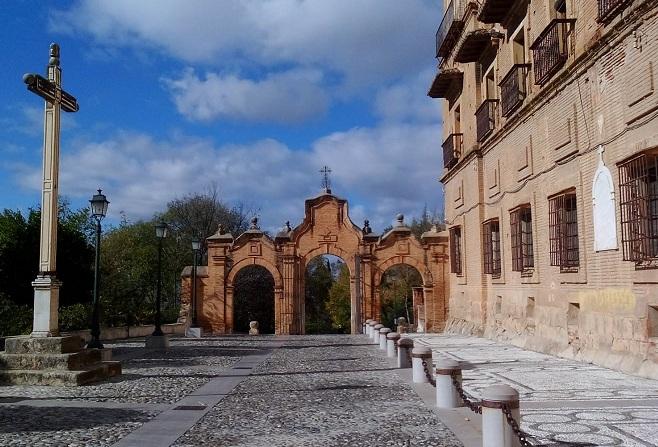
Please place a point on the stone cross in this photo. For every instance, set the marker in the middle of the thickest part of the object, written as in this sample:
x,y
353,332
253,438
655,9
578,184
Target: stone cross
x,y
326,184
46,286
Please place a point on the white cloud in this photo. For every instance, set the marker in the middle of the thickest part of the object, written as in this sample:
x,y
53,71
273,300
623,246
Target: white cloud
x,y
382,171
365,40
407,100
288,98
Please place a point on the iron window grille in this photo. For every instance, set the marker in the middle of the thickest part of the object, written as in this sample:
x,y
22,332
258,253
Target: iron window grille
x,y
639,208
609,8
513,89
455,250
563,230
452,148
485,117
551,49
521,231
491,248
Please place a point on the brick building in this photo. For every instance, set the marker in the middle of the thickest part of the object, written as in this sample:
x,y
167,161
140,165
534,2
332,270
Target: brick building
x,y
550,145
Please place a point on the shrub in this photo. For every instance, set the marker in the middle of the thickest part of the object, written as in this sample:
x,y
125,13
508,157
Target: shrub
x,y
75,317
14,319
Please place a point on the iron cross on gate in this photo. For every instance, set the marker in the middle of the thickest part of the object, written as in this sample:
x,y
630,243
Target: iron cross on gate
x,y
326,185
46,285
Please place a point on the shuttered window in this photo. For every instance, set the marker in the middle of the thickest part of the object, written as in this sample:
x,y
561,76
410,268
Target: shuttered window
x,y
455,250
491,248
563,230
521,232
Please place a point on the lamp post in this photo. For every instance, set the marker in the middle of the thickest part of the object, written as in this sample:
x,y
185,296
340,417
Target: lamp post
x,y
196,246
99,205
160,233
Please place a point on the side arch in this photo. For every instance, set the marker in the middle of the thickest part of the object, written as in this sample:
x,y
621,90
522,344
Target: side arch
x,y
278,290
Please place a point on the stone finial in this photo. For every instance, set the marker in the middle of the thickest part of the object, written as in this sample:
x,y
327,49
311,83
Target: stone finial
x,y
254,223
400,220
366,227
54,55
221,229
287,227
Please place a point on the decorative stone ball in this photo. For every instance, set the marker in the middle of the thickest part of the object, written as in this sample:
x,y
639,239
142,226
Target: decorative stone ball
x,y
253,328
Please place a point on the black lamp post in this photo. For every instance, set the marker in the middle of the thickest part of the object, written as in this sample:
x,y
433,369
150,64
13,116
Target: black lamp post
x,y
160,233
196,246
99,205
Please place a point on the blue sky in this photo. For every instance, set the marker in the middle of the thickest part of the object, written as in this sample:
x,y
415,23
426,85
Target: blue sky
x,y
253,96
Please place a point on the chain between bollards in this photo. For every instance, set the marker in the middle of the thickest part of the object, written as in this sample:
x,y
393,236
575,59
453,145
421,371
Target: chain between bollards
x,y
524,438
473,405
428,374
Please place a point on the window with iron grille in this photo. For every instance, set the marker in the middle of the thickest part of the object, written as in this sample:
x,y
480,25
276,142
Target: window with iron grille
x,y
521,231
563,230
491,248
639,208
455,250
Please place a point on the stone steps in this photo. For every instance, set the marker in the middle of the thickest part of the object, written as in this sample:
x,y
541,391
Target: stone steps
x,y
43,345
93,373
70,361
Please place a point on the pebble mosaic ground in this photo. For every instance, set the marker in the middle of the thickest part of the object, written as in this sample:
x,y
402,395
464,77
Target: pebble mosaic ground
x,y
320,390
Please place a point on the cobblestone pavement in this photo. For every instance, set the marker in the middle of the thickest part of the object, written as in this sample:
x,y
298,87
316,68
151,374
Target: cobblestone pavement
x,y
321,391
561,400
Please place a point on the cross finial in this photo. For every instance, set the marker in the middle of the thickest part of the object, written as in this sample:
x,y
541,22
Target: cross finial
x,y
326,184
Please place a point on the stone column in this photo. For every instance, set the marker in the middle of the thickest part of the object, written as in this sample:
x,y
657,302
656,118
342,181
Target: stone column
x,y
405,345
446,393
383,332
418,356
496,431
391,344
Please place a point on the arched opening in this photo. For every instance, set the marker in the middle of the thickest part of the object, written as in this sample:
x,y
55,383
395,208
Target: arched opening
x,y
327,299
396,292
253,299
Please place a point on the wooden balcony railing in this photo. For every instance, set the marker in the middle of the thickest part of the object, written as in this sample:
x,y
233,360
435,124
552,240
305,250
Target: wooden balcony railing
x,y
450,28
452,149
513,89
609,8
485,117
551,49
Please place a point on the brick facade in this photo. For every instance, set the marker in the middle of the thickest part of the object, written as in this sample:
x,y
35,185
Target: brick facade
x,y
326,229
598,88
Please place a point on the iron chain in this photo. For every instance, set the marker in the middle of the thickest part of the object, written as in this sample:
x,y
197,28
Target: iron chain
x,y
468,400
429,376
524,438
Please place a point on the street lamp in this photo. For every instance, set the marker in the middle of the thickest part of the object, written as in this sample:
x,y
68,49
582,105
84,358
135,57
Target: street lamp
x,y
99,205
160,233
196,246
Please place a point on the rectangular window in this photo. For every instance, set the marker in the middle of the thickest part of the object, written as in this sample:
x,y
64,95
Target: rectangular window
x,y
521,231
491,249
639,208
455,250
563,230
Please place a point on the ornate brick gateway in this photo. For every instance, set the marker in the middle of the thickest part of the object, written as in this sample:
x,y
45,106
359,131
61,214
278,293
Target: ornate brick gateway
x,y
326,229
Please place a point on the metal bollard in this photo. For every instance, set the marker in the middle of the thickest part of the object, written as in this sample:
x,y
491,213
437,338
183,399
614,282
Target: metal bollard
x,y
383,332
418,356
375,333
391,344
447,395
405,345
496,430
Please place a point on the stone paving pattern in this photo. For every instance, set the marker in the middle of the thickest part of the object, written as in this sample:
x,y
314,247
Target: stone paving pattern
x,y
561,400
329,391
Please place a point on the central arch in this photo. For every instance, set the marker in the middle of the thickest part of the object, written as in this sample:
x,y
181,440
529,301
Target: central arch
x,y
325,230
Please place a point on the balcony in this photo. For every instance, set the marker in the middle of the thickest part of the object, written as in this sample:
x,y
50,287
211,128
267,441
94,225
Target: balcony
x,y
513,89
485,117
447,83
609,8
474,44
494,11
450,28
551,49
452,149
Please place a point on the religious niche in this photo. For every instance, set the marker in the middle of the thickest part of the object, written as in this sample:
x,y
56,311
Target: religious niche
x,y
603,203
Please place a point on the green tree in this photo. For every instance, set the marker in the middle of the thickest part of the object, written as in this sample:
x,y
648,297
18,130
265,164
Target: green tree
x,y
396,293
339,302
318,281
